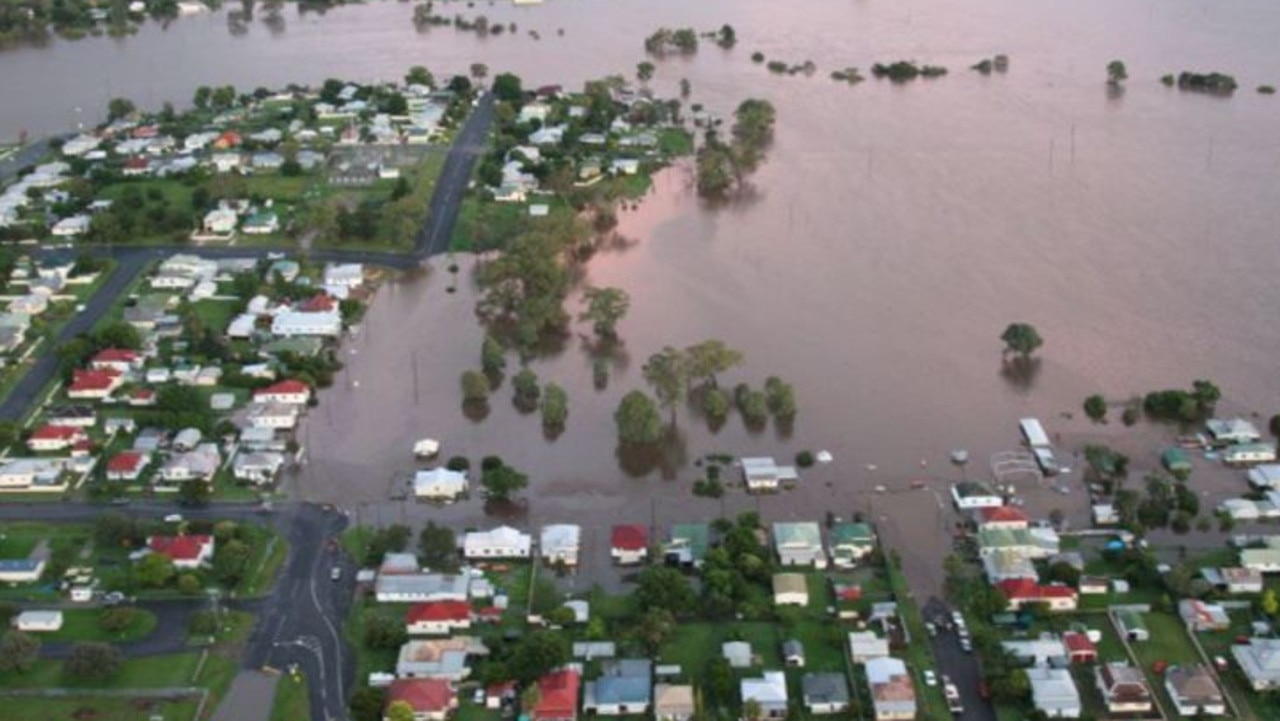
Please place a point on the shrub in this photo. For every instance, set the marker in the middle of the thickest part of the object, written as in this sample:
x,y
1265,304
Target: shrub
x,y
461,464
804,459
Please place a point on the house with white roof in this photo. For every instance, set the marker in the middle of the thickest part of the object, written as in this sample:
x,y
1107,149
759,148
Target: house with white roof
x,y
299,323
559,543
501,542
866,645
769,692
1232,430
439,484
347,275
1260,661
892,694
1053,692
38,621
71,227
764,474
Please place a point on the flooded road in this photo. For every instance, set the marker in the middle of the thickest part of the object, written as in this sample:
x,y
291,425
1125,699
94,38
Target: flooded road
x,y
892,234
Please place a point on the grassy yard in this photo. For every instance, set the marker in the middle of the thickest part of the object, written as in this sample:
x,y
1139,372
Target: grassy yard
x,y
214,314
148,672
918,655
98,708
292,702
267,559
367,659
1168,643
83,624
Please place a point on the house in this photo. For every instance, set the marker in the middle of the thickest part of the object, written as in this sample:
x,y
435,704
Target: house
x,y
196,465
344,275
70,227
1175,460
763,474
273,415
420,587
295,323
432,699
559,543
673,702
1124,688
55,438
799,544
127,466
1044,650
850,543
1032,544
629,544
865,646
769,692
594,649
438,658
1263,560
399,564
1260,661
221,221
1266,476
501,542
261,223
21,570
792,653
119,360
1192,689
187,439
1241,580
439,484
1232,431
688,545
1202,616
92,384
437,618
1022,591
1007,564
973,494
186,552
790,589
737,653
892,694
1079,648
257,467
558,696
1130,624
1247,453
77,416
825,693
625,686
1010,517
1053,692
497,695
38,621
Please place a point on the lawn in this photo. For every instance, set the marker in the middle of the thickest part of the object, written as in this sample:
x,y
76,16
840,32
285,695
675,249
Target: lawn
x,y
1169,643
99,708
82,624
355,541
267,559
918,654
147,672
367,659
292,702
214,314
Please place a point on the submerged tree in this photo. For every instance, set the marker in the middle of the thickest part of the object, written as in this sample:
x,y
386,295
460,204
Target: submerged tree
x,y
638,420
667,373
1021,338
605,307
1116,72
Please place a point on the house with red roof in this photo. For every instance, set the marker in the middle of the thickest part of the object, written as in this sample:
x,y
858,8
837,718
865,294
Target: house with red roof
x,y
93,384
430,698
120,360
146,131
127,466
290,392
142,397
1023,591
496,694
135,166
629,544
558,696
318,303
1010,517
184,551
1079,648
437,618
55,438
229,139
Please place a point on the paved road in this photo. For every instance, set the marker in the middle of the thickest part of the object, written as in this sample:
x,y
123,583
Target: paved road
x,y
454,177
962,668
27,155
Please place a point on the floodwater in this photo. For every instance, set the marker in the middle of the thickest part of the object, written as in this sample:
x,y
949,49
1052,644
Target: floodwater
x,y
892,234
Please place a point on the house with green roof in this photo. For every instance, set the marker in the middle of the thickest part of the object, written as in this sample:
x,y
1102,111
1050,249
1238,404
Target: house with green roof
x,y
1016,540
1175,460
688,545
850,543
799,544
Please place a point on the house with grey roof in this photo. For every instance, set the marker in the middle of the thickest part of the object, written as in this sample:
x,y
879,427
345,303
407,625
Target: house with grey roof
x,y
1260,661
892,694
769,691
737,653
793,653
1053,692
1193,690
420,587
625,686
825,693
439,658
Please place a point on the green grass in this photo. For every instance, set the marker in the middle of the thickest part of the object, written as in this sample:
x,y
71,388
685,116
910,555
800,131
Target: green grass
x,y
82,624
355,541
918,654
214,314
147,672
292,702
368,660
286,189
484,223
99,708
675,142
177,193
267,559
1168,643
468,711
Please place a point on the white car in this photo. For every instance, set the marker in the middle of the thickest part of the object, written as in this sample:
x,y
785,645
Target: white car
x,y
173,518
930,679
336,573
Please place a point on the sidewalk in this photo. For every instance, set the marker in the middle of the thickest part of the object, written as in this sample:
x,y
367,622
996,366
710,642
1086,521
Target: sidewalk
x,y
250,698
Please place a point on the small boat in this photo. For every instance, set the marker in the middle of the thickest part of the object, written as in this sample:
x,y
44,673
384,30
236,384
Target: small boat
x,y
960,456
426,448
823,457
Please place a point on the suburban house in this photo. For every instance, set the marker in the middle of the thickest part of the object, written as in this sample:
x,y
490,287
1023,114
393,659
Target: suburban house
x,y
197,465
501,542
629,544
404,564
559,543
673,702
688,546
892,694
1053,692
273,415
1124,688
420,587
1192,689
1080,649
825,693
1022,591
299,323
437,618
119,360
1232,431
1045,650
1260,661
127,466
1241,580
1265,476
432,699
1249,453
792,653
38,621
1202,616
1007,564
440,484
850,543
79,416
799,544
92,384
1130,624
1010,517
186,552
972,494
257,467
1263,560
624,687
346,275
1175,460
55,438
443,658
763,474
865,646
1019,540
21,570
558,696
790,589
769,691
291,392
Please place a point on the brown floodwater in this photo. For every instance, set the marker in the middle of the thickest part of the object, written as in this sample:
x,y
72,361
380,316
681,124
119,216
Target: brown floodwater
x,y
892,234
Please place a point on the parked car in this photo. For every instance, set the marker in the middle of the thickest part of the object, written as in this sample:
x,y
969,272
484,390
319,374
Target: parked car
x,y
930,679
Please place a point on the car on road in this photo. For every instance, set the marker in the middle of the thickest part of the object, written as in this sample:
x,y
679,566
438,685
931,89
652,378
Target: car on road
x,y
957,618
966,645
336,573
114,598
120,501
478,697
932,629
173,518
930,678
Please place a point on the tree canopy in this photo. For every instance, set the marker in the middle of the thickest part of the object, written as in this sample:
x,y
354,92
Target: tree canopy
x,y
638,420
1021,338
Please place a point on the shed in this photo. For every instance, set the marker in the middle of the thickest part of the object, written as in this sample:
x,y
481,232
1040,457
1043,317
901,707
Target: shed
x,y
1176,460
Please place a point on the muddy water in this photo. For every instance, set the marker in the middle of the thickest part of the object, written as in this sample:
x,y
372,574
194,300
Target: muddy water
x,y
892,234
